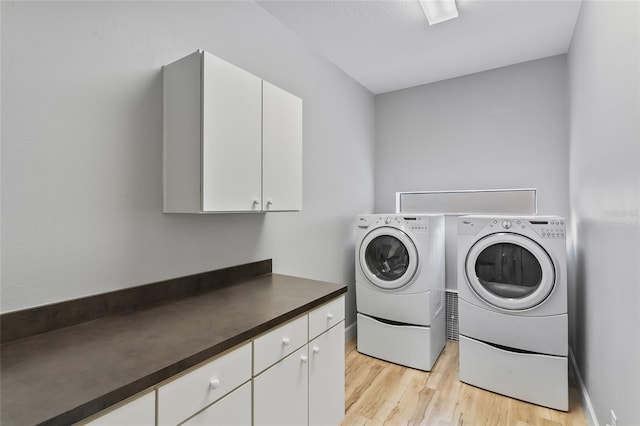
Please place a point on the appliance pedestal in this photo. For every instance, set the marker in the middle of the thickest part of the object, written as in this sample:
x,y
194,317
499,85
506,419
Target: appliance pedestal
x,y
409,345
537,378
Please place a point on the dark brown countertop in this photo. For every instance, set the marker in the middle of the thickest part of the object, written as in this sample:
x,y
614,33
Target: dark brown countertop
x,y
65,375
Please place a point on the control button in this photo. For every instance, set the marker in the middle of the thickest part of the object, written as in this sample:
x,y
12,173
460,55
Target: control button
x,y
387,220
506,224
495,221
518,222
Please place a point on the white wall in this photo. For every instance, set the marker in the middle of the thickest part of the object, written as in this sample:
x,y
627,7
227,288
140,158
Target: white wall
x,y
604,70
504,128
82,150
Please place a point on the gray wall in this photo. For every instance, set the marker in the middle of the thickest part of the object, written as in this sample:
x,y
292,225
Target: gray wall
x,y
603,64
504,128
82,150
494,129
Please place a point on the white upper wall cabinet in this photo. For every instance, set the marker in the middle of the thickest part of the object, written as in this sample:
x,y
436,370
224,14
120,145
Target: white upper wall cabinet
x,y
232,142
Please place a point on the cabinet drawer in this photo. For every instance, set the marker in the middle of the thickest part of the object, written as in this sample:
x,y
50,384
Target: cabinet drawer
x,y
325,317
275,345
185,396
232,410
140,411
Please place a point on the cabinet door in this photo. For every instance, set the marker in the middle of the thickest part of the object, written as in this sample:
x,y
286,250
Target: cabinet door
x,y
232,410
326,377
231,137
280,392
282,149
139,412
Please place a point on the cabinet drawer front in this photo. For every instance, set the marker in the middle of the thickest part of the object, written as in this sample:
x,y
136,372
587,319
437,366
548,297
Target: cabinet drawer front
x,y
185,396
325,317
275,345
139,412
232,410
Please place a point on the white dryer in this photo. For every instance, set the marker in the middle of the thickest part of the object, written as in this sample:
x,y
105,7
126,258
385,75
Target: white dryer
x,y
512,306
400,288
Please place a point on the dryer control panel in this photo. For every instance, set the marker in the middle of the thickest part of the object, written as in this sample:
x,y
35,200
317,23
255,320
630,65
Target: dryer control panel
x,y
545,227
549,228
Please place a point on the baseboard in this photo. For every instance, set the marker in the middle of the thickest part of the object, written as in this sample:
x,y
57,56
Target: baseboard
x,y
350,332
590,413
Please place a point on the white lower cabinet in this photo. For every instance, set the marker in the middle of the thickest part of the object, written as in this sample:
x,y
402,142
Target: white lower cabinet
x,y
307,386
290,375
326,377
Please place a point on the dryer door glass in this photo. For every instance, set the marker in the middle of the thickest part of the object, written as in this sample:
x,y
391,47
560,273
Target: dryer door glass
x,y
387,258
508,270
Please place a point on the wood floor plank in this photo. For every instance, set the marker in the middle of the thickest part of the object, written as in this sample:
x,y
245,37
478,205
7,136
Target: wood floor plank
x,y
381,393
413,402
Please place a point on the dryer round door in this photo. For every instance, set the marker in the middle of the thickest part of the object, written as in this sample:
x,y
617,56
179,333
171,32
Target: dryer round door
x,y
510,271
388,258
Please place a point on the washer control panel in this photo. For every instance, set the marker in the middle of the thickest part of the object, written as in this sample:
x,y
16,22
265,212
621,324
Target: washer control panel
x,y
415,223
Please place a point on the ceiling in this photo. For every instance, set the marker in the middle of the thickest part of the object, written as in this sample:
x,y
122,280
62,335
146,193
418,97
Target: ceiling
x,y
387,45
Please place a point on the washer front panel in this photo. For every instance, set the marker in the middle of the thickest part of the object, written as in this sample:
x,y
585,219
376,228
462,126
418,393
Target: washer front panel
x,y
510,271
388,258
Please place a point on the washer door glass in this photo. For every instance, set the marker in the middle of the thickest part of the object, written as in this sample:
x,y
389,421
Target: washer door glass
x,y
388,258
510,271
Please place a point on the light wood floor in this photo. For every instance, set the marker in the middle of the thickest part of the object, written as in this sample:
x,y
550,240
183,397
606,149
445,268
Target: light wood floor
x,y
382,393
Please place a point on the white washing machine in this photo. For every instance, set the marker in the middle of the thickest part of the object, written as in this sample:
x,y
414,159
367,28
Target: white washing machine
x,y
512,306
400,288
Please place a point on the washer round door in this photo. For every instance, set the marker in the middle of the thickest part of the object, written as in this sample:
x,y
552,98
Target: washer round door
x,y
510,271
388,258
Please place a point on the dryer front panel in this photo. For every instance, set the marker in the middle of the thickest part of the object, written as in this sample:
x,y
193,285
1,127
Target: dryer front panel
x,y
510,271
388,258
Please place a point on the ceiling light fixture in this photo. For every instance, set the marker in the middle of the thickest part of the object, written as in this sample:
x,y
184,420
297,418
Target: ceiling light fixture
x,y
439,10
